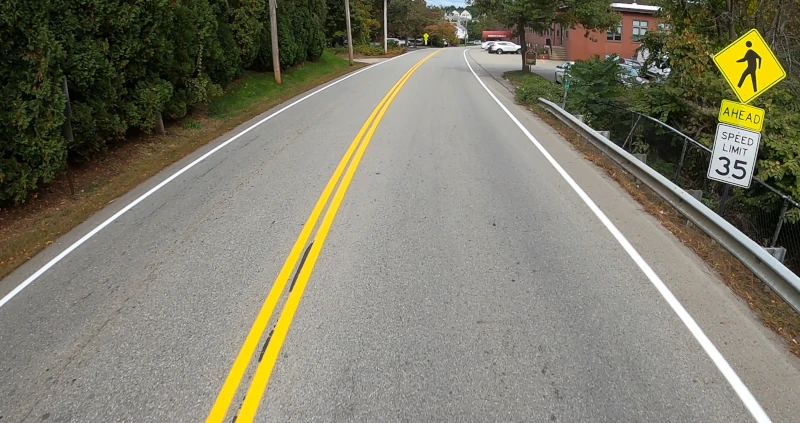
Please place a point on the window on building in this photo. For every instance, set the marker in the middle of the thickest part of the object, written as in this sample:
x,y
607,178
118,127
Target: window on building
x,y
615,35
566,33
639,29
663,27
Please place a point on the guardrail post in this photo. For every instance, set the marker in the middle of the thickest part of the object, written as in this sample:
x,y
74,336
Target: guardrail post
x,y
780,223
698,195
779,253
680,162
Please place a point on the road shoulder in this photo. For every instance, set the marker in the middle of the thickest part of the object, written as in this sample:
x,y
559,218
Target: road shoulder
x,y
758,355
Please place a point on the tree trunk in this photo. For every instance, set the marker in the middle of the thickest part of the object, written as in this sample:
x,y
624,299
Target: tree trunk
x,y
731,22
522,43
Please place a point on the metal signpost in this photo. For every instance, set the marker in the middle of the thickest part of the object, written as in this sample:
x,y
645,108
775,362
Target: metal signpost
x,y
750,68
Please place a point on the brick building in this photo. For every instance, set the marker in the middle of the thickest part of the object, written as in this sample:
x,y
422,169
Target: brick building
x,y
573,44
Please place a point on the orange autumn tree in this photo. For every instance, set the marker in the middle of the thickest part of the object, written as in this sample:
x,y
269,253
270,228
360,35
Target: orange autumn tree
x,y
443,31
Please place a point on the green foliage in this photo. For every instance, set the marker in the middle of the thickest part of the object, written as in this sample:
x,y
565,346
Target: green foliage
x,y
408,18
31,103
253,87
127,63
531,87
247,22
690,98
363,20
596,85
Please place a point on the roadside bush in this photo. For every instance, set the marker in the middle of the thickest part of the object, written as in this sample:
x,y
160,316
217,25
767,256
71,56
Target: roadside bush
x,y
31,104
436,41
533,86
127,63
597,92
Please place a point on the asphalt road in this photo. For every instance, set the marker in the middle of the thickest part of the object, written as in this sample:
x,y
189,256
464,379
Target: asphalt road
x,y
497,64
463,279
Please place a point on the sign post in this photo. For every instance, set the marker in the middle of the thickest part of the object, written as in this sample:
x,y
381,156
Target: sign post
x,y
425,38
750,68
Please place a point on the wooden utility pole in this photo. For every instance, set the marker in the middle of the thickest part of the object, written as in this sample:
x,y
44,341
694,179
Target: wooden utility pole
x,y
273,23
349,31
385,29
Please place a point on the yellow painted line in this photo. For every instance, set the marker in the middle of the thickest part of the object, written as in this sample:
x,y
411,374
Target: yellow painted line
x,y
220,408
259,384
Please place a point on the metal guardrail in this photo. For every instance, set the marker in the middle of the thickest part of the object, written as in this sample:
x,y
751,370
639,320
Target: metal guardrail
x,y
766,267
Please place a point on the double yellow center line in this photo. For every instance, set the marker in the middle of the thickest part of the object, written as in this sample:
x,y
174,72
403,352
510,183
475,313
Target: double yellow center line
x,y
258,385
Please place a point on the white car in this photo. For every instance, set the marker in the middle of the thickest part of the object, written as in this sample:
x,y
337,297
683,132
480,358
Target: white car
x,y
561,71
630,75
501,47
399,42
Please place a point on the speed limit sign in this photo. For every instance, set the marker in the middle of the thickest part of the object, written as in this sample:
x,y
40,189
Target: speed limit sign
x,y
733,158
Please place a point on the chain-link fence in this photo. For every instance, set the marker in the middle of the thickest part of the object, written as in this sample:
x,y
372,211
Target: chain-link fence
x,y
763,213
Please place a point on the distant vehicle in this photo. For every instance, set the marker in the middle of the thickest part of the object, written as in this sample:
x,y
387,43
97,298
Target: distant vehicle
x,y
634,64
630,75
476,42
561,71
487,44
399,42
501,47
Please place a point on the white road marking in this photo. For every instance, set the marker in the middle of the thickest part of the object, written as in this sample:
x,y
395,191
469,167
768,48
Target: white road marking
x,y
727,371
133,204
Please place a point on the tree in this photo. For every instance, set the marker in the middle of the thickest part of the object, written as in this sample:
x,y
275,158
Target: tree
x,y
363,19
408,18
444,31
539,15
689,100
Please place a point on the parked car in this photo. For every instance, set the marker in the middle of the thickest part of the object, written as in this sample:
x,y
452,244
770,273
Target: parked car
x,y
561,71
487,44
630,75
399,42
501,47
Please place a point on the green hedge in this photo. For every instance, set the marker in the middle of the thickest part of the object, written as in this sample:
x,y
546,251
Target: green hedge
x,y
126,63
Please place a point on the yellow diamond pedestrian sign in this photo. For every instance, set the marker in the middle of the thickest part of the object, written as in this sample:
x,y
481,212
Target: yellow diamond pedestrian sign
x,y
749,66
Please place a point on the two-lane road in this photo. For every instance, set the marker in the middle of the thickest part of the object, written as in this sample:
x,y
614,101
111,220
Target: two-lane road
x,y
447,272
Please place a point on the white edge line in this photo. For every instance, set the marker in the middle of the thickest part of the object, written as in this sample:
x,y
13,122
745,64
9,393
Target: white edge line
x,y
727,371
172,177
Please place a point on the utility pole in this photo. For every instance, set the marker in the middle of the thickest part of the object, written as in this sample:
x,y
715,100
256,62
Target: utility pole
x,y
349,31
273,23
385,30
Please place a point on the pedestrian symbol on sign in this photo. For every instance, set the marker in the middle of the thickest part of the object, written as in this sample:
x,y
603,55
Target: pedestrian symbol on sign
x,y
749,66
751,57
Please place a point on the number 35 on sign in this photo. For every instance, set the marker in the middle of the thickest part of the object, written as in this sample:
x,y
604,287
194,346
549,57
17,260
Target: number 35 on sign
x,y
733,157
